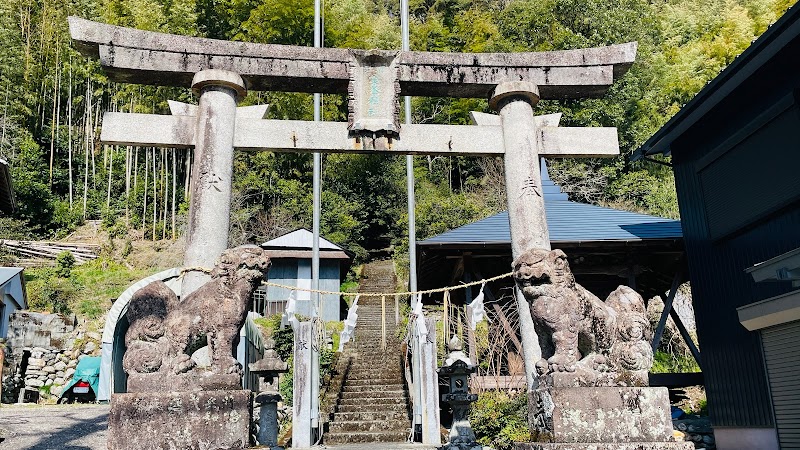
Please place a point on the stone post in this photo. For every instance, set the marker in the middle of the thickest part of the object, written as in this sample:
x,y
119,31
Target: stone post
x,y
302,403
514,101
430,387
210,204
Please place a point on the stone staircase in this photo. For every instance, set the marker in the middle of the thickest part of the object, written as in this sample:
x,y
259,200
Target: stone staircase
x,y
372,404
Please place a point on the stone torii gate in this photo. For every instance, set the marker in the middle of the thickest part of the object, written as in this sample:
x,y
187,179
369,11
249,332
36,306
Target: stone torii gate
x,y
220,72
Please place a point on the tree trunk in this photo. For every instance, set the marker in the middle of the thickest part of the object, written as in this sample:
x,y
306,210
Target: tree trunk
x,y
165,187
144,208
110,172
127,185
155,195
188,177
54,119
174,187
5,122
87,136
69,137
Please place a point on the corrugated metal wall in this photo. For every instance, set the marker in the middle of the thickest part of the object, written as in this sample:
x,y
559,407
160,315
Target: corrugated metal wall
x,y
732,356
781,345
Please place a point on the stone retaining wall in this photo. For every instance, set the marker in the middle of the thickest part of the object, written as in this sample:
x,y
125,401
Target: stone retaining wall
x,y
42,353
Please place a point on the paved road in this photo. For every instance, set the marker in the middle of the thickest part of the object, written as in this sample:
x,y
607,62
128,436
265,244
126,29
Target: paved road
x,y
61,427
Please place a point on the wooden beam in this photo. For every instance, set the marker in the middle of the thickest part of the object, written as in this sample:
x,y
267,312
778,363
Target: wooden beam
x,y
662,322
686,336
507,327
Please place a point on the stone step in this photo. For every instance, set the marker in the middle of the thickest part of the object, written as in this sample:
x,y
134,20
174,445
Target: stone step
x,y
359,438
373,394
373,375
375,415
374,401
381,365
372,379
370,382
377,387
371,426
391,408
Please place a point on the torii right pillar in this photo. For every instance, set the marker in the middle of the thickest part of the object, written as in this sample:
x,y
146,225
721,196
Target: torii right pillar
x,y
566,415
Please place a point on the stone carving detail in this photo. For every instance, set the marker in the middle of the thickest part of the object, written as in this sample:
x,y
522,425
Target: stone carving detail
x,y
164,331
589,341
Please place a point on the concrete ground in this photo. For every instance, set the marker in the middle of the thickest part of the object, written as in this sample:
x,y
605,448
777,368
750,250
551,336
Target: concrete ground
x,y
83,427
56,427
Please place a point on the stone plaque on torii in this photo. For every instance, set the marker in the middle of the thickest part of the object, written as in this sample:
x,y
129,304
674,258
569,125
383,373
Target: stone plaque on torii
x,y
221,71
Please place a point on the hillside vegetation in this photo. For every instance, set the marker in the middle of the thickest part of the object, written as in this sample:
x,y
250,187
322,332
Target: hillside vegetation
x,y
52,101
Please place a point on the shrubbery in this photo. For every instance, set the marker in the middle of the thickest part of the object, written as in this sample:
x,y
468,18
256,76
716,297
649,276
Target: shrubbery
x,y
499,419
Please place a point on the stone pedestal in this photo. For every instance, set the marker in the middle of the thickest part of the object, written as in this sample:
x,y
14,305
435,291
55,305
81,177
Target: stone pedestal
x,y
600,418
268,420
202,420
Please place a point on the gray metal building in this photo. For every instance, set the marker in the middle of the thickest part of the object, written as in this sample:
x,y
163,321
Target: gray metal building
x,y
736,151
13,296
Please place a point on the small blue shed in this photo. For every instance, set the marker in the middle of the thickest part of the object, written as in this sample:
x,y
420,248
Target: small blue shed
x,y
291,266
12,295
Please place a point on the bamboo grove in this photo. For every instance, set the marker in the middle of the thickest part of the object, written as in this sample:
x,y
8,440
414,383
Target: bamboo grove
x,y
53,102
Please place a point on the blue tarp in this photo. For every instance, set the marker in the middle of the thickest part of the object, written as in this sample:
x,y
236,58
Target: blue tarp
x,y
88,369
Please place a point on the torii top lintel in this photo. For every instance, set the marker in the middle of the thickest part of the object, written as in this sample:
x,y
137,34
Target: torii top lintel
x,y
145,57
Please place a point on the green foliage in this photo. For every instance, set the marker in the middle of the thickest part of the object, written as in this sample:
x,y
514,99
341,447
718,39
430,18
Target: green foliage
x,y
682,45
664,362
87,289
499,419
65,261
49,292
284,339
11,228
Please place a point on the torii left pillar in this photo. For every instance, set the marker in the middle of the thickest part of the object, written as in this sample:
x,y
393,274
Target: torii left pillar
x,y
210,206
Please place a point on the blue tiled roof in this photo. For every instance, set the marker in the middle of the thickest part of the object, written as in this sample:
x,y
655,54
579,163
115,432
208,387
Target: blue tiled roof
x,y
568,222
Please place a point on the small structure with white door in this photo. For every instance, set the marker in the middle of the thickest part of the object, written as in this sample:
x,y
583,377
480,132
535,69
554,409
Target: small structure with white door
x,y
291,266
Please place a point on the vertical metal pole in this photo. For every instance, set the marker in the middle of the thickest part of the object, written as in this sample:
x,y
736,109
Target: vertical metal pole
x,y
317,194
317,200
412,241
412,227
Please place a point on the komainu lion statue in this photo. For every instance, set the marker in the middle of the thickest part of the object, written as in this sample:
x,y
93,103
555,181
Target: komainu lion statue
x,y
577,331
164,330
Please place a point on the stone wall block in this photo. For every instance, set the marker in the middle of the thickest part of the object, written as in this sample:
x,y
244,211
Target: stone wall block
x,y
36,362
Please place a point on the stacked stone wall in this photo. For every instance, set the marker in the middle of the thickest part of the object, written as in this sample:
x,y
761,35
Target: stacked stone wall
x,y
42,353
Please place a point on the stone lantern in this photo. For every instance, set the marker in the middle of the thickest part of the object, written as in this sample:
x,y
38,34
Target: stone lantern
x,y
457,369
268,368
